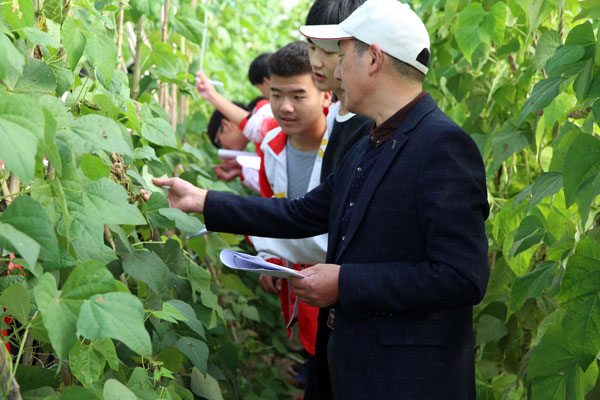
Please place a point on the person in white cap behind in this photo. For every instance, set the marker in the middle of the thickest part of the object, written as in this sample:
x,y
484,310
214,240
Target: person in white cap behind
x,y
405,214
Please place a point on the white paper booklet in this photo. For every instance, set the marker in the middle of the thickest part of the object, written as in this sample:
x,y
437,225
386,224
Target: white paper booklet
x,y
226,154
246,262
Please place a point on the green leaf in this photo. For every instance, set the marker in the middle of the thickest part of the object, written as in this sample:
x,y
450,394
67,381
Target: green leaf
x,y
28,216
59,316
139,383
106,202
21,129
495,22
52,9
35,36
88,279
160,132
531,285
95,132
86,364
547,184
77,393
507,143
146,266
101,51
205,386
196,350
73,40
584,81
93,167
184,222
172,358
37,77
581,34
531,231
565,55
13,61
190,28
16,301
188,312
580,293
19,13
106,347
489,329
32,377
115,390
546,46
119,316
87,238
581,167
541,96
18,242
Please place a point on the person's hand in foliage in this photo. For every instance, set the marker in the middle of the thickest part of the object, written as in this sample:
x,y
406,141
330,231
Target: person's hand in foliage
x,y
182,194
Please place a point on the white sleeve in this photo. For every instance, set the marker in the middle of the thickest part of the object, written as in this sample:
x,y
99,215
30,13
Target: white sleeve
x,y
251,178
257,123
310,250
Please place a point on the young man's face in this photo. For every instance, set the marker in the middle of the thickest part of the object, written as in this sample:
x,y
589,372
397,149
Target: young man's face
x,y
323,65
350,72
230,136
297,103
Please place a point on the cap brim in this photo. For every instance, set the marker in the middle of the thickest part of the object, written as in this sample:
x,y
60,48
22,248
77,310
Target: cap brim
x,y
326,37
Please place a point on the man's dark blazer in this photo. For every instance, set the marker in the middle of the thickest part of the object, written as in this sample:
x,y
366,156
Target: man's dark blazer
x,y
413,260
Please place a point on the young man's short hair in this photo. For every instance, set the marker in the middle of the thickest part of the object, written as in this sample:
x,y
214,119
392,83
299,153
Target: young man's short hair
x,y
290,60
259,69
214,123
404,69
331,12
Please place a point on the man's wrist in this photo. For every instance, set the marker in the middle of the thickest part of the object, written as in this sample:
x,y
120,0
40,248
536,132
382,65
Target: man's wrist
x,y
200,199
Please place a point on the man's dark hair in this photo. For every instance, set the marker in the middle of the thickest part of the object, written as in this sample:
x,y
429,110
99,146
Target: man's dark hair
x,y
404,69
214,123
290,60
330,12
259,69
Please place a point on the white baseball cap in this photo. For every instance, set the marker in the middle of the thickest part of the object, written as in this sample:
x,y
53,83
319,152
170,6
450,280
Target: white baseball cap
x,y
391,25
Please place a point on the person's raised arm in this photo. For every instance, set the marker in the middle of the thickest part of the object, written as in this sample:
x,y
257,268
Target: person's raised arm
x,y
207,91
183,195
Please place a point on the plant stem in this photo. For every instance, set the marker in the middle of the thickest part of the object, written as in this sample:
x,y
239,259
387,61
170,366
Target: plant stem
x,y
137,59
121,64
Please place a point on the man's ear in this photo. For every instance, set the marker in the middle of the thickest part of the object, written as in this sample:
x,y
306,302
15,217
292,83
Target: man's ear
x,y
376,57
266,81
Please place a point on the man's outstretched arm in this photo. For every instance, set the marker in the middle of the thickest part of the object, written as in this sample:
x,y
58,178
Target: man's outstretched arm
x,y
182,194
207,91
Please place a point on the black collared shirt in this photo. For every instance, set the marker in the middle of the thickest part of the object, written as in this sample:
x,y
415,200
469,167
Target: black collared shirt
x,y
379,134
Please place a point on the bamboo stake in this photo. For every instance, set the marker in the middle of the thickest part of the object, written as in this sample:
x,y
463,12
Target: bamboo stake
x,y
136,63
121,64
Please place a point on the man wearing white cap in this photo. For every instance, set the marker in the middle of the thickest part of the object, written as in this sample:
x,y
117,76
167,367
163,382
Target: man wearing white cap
x,y
405,212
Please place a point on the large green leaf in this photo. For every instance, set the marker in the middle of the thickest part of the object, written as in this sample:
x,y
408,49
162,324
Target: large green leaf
x,y
190,315
36,36
87,238
541,96
115,390
18,13
16,301
546,46
196,350
190,28
118,316
580,294
37,77
147,267
73,40
581,167
547,184
106,202
88,279
86,364
58,315
531,285
160,132
489,329
101,51
78,393
139,383
28,216
18,242
470,33
531,231
205,386
92,133
184,222
564,56
507,143
13,61
21,129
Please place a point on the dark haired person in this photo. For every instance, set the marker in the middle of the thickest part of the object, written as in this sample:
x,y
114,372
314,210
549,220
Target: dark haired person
x,y
291,166
256,123
348,127
405,212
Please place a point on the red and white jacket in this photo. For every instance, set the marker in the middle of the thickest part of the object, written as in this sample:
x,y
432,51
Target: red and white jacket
x,y
259,122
